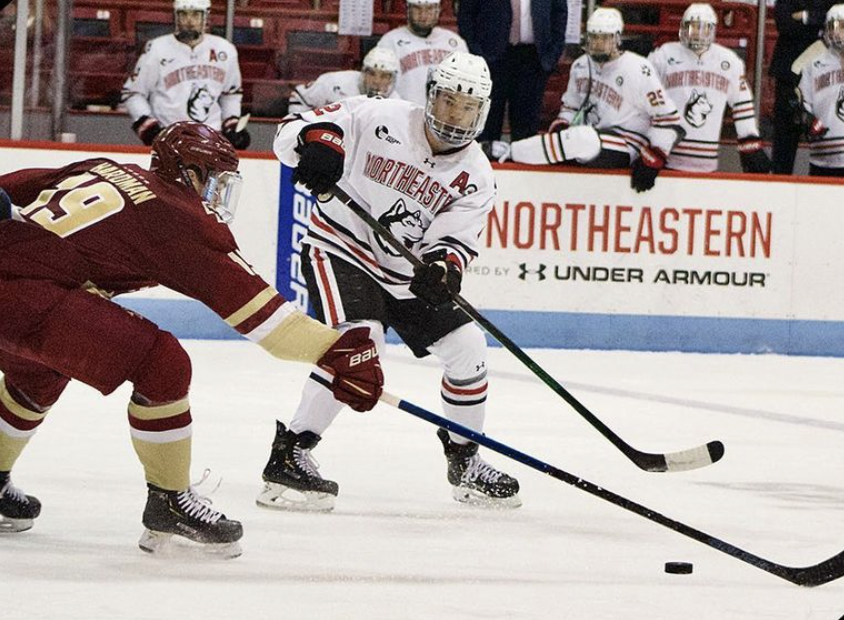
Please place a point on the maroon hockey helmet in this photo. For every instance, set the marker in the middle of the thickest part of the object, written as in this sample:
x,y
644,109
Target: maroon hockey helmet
x,y
191,146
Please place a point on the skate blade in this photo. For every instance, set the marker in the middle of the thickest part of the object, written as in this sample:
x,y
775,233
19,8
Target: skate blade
x,y
13,526
465,495
164,545
280,497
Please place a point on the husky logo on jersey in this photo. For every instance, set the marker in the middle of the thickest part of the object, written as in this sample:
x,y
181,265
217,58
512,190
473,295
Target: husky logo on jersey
x,y
199,103
839,104
697,109
405,225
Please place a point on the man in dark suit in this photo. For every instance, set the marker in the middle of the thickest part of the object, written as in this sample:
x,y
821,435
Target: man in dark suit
x,y
798,23
521,40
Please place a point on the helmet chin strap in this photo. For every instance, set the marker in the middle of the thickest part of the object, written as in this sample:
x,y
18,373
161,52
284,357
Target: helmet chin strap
x,y
188,36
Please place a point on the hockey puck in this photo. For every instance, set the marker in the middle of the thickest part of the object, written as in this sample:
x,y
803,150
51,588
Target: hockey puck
x,y
679,568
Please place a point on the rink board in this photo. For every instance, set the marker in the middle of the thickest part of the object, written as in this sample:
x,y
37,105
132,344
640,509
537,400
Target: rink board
x,y
575,259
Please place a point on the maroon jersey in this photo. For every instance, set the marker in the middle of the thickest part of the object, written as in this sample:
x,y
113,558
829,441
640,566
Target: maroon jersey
x,y
129,229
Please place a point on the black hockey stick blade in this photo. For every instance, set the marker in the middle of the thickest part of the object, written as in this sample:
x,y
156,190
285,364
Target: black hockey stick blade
x,y
809,576
684,460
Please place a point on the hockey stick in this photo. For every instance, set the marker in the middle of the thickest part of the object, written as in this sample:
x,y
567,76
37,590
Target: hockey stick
x,y
582,113
808,576
683,460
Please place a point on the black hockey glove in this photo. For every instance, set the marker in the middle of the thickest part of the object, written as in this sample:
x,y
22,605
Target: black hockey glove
x,y
438,279
147,128
646,168
5,205
812,129
239,139
321,157
753,156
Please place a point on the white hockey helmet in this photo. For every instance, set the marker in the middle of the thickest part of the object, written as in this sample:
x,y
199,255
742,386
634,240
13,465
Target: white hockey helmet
x,y
833,32
379,72
603,34
697,28
184,34
458,99
422,16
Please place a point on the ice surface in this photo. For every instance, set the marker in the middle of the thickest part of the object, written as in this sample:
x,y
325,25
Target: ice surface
x,y
398,547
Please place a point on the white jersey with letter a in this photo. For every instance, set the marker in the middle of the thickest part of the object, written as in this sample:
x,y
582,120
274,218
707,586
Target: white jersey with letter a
x,y
328,88
627,98
418,56
702,87
172,82
429,202
822,87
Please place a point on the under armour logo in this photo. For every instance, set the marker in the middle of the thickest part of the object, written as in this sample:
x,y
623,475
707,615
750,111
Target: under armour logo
x,y
540,272
430,163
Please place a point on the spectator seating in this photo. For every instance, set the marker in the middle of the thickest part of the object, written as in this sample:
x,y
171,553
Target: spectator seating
x,y
282,42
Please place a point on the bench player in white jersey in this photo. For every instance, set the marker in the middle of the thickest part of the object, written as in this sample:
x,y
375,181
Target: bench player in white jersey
x,y
822,93
420,46
420,173
376,78
703,78
632,122
189,75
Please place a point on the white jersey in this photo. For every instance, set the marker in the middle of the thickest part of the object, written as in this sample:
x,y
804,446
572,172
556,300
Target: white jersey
x,y
428,201
418,56
172,82
703,86
328,88
624,97
822,87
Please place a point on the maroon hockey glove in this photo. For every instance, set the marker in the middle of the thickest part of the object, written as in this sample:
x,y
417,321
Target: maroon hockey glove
x,y
239,139
147,128
358,380
438,280
753,157
646,168
321,157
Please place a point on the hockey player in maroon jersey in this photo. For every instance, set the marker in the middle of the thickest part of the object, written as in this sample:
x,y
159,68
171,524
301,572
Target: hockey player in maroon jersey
x,y
79,235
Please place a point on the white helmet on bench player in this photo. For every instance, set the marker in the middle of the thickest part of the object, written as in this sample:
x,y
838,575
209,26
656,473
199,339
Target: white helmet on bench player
x,y
833,32
603,34
422,16
379,72
697,28
458,99
187,32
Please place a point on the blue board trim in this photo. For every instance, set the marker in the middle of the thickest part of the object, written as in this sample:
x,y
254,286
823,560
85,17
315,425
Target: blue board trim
x,y
566,330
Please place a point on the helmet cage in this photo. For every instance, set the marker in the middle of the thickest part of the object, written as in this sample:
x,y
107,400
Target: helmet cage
x,y
599,53
697,34
833,33
448,133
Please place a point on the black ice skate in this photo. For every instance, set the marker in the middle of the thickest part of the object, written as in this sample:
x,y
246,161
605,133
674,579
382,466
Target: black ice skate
x,y
17,510
187,515
473,480
291,479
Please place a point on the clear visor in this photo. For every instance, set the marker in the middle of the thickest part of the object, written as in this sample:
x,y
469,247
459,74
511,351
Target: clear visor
x,y
602,46
377,82
834,34
455,118
697,35
222,193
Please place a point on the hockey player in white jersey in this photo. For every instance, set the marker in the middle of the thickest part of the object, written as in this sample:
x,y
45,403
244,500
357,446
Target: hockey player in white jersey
x,y
189,75
377,78
420,173
703,78
633,121
420,46
822,93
